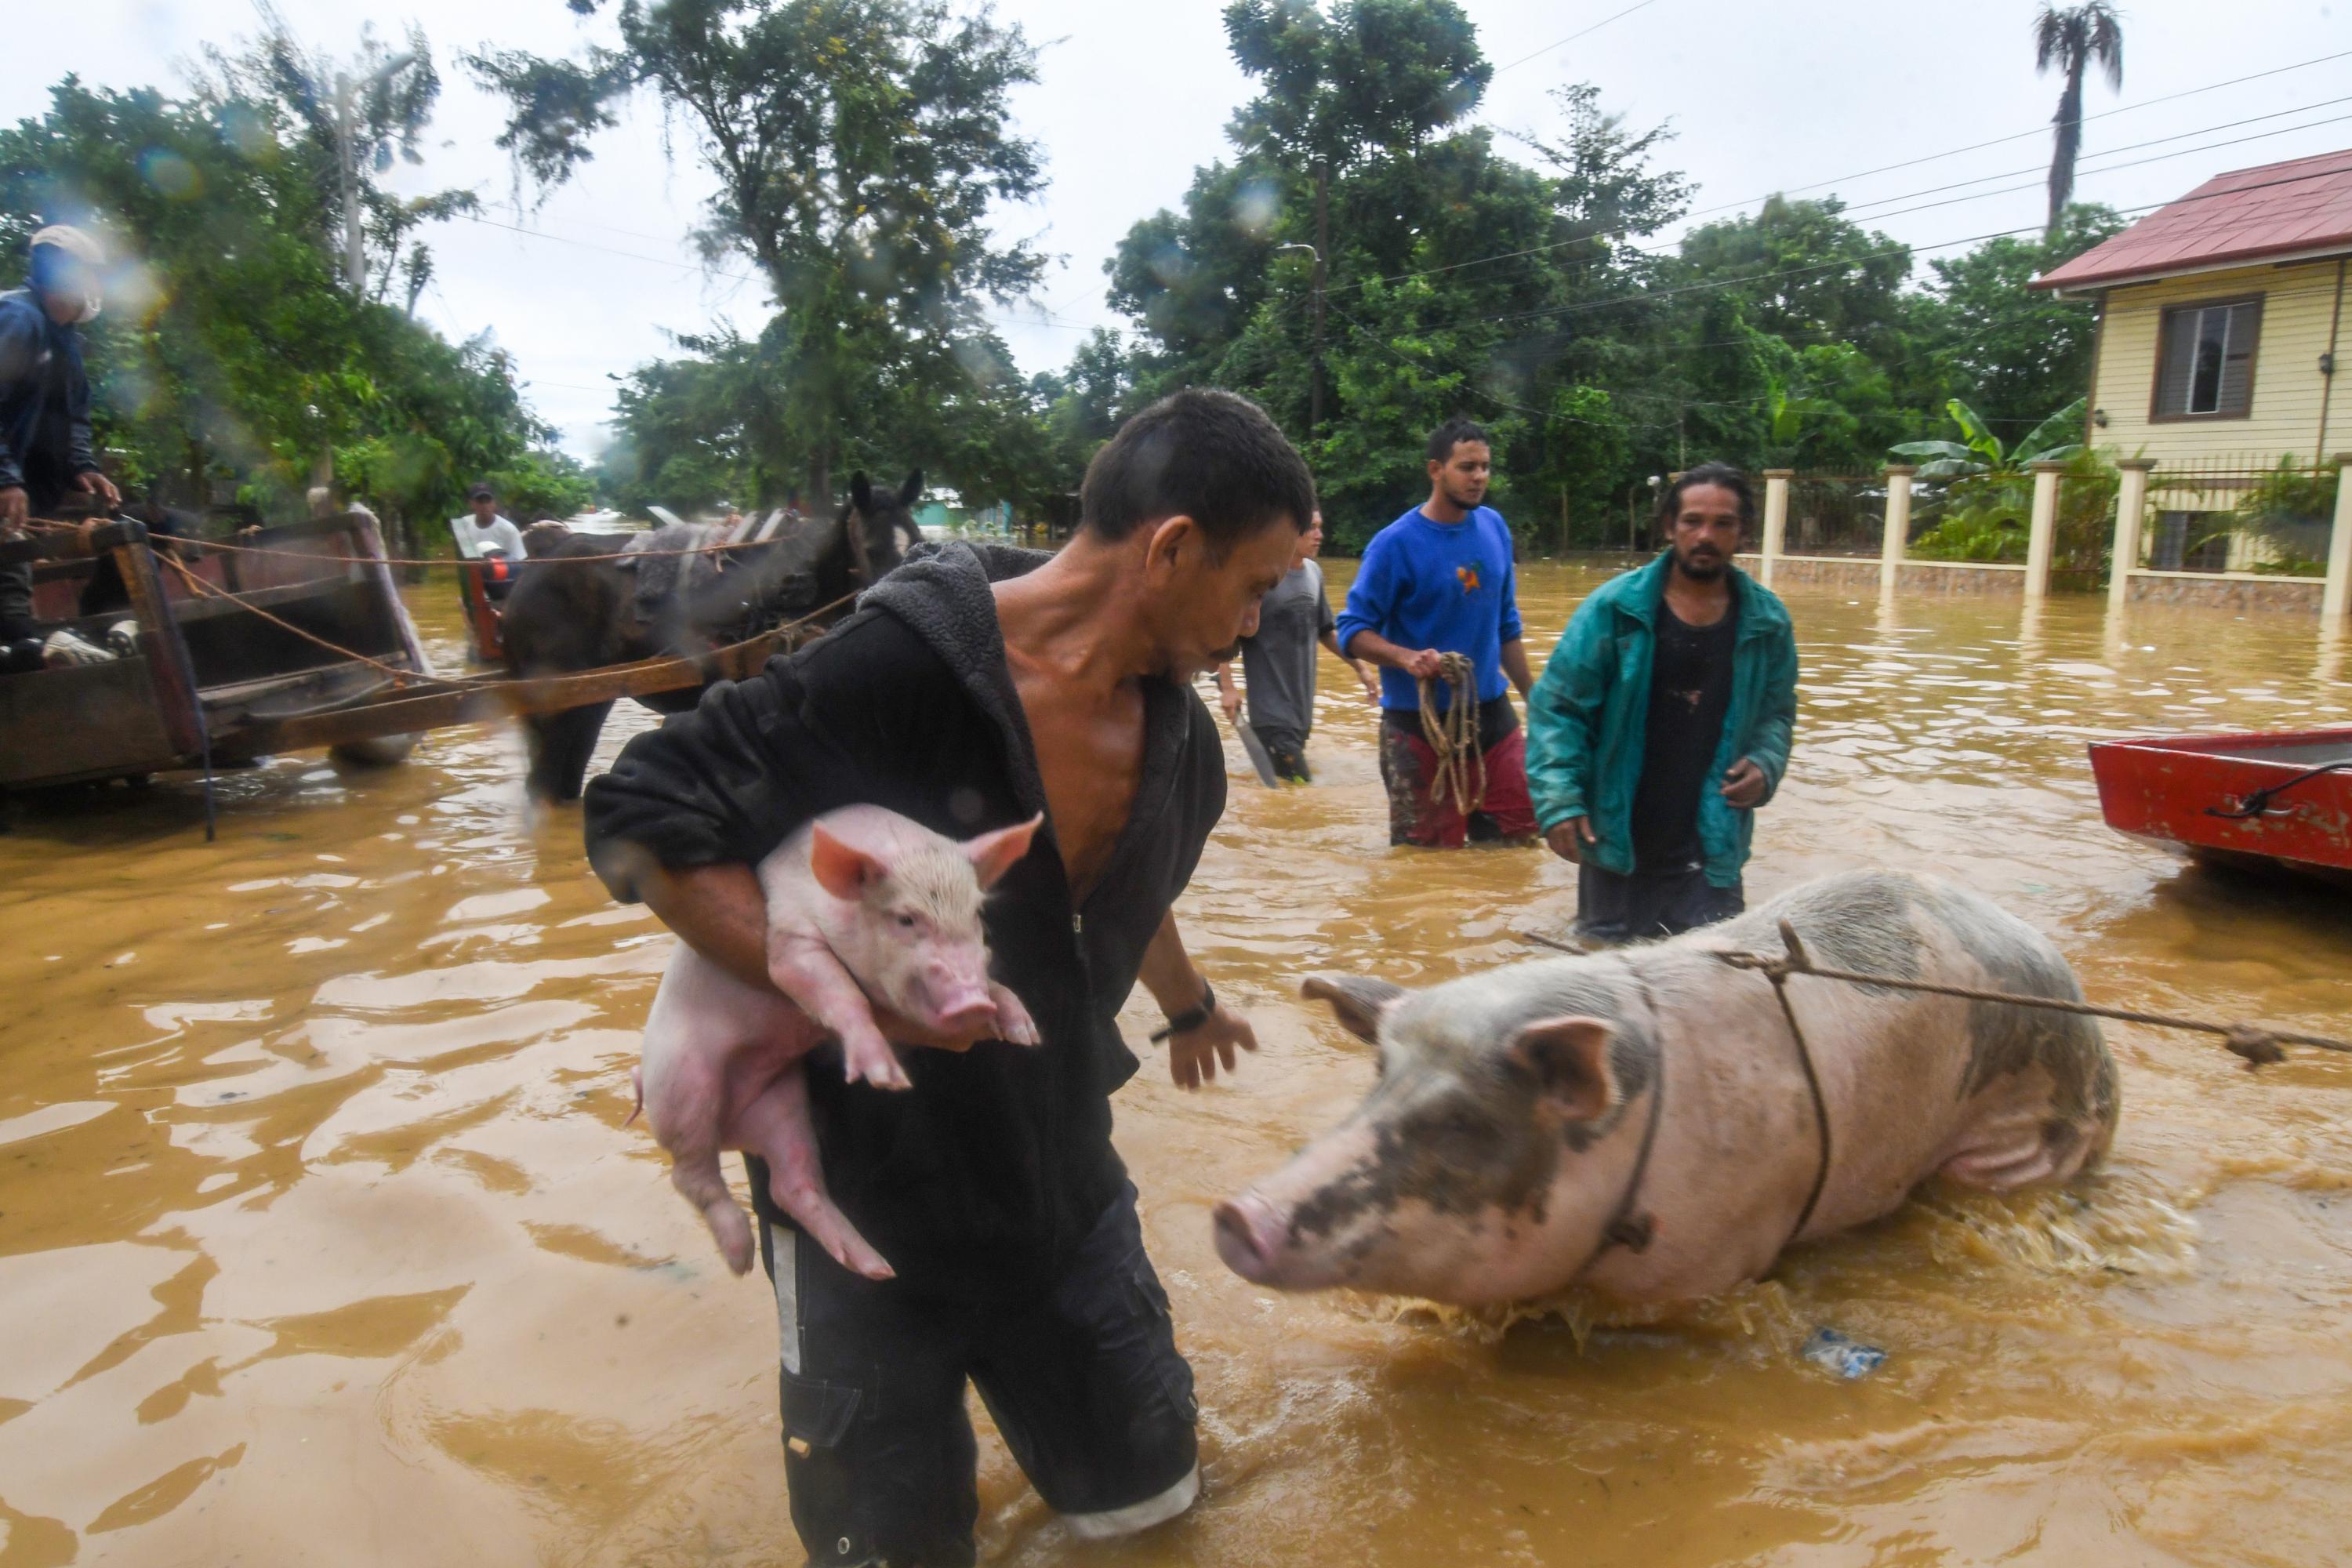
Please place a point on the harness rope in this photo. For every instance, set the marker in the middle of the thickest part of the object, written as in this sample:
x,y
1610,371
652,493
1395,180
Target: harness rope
x,y
201,544
1453,735
403,677
400,675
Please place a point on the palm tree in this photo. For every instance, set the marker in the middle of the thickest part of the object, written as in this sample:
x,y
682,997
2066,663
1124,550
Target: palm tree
x,y
2072,37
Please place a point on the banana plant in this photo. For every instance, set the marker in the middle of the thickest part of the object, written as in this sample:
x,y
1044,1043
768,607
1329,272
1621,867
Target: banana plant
x,y
1980,455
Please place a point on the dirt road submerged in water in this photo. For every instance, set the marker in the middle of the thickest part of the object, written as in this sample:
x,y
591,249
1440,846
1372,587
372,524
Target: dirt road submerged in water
x,y
321,1240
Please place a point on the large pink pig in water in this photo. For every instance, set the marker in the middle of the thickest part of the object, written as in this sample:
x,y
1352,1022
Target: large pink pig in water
x,y
862,903
1639,1121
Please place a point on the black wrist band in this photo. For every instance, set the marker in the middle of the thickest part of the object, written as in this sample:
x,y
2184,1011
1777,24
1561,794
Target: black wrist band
x,y
1184,1023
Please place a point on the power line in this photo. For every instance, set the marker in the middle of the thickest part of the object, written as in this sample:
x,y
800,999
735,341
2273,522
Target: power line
x,y
608,250
1704,285
2111,168
2022,135
2132,147
1596,26
1932,157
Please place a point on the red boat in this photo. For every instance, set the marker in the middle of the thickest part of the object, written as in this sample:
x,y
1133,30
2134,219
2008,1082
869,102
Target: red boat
x,y
2279,799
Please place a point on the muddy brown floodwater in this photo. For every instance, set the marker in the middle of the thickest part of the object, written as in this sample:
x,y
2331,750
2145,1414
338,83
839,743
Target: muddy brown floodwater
x,y
321,1240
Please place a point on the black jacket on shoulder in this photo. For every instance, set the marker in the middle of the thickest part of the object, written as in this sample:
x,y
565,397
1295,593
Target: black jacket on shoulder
x,y
988,1173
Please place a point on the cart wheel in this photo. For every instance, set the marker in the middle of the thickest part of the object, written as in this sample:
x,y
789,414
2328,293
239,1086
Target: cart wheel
x,y
376,751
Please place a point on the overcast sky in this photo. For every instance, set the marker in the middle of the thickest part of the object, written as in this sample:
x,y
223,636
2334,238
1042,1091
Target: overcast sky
x,y
1803,96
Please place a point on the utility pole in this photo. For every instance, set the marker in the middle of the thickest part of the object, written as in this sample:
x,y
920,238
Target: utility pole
x,y
1315,376
1322,249
347,92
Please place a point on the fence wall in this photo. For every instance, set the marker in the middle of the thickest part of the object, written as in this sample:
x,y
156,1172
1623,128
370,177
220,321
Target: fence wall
x,y
2246,536
2235,516
1836,514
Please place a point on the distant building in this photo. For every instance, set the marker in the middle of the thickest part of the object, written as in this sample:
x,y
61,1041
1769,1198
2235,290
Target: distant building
x,y
2219,320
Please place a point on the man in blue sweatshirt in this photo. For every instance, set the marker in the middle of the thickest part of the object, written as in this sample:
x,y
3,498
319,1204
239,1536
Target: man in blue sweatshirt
x,y
1438,580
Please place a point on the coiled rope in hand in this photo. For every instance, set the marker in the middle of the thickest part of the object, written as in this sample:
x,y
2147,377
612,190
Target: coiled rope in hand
x,y
1453,735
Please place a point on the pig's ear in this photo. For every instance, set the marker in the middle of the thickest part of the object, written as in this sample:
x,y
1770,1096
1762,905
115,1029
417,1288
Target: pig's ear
x,y
1357,1000
839,869
1568,1060
993,853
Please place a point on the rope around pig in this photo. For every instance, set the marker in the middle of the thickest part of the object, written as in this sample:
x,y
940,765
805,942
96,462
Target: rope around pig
x,y
1632,1230
1453,735
2259,1044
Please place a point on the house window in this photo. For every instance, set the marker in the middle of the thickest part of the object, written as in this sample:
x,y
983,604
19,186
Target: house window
x,y
2205,360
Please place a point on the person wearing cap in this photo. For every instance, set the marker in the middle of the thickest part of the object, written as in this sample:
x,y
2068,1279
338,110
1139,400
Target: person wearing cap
x,y
487,537
486,530
44,441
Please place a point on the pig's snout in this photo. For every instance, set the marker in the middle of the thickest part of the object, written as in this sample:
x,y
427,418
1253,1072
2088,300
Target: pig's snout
x,y
962,1015
958,997
1249,1237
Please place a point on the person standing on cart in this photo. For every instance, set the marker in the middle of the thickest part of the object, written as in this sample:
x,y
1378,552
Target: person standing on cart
x,y
45,453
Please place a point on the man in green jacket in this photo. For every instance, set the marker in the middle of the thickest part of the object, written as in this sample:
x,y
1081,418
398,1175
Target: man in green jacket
x,y
1662,721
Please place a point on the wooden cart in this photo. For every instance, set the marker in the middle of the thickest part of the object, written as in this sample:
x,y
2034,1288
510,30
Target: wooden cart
x,y
302,645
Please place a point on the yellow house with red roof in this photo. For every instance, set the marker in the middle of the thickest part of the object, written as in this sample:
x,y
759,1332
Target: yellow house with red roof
x,y
2220,320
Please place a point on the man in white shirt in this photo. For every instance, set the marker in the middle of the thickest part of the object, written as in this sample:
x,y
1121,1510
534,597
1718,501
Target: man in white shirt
x,y
486,531
490,539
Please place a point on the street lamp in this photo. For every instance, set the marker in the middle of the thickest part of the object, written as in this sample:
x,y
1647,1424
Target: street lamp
x,y
346,91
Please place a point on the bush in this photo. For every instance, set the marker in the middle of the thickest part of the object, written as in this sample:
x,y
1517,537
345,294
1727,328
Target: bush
x,y
1989,516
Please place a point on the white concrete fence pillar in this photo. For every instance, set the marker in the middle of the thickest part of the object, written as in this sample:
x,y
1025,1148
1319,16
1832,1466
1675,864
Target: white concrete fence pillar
x,y
1776,518
2044,540
1898,525
2335,598
2131,519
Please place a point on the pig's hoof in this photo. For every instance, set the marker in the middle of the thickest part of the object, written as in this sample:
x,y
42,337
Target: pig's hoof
x,y
875,1063
730,1230
887,1074
864,1261
1012,1020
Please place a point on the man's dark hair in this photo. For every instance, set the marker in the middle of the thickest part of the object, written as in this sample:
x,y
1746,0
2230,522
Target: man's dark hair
x,y
1721,475
1210,456
1451,433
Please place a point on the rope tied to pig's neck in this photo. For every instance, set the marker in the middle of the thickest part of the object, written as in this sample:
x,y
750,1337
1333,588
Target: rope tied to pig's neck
x,y
1626,1227
1453,735
1631,1229
1797,962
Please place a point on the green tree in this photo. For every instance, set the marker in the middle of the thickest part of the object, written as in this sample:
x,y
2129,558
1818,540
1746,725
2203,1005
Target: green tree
x,y
544,482
859,147
714,422
1806,272
1085,405
344,125
2015,353
2074,38
230,357
1371,77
